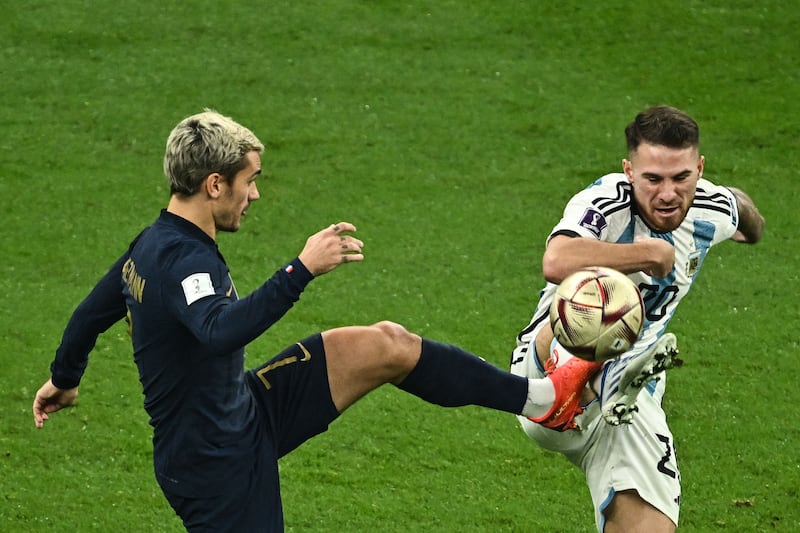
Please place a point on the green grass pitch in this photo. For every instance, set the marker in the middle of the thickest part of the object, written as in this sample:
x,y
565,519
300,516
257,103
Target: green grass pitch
x,y
451,133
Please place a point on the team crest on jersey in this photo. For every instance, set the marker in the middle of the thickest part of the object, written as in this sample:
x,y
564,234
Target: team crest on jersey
x,y
693,263
594,221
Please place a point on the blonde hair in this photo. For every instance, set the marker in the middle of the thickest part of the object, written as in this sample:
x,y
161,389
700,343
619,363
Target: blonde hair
x,y
203,144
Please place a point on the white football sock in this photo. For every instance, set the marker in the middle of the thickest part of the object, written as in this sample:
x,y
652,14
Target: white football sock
x,y
541,395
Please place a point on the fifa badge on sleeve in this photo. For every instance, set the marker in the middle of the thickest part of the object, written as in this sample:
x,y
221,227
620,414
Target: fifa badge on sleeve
x,y
594,221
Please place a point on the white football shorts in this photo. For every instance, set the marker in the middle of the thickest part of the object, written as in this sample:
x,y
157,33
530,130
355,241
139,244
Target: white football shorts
x,y
638,456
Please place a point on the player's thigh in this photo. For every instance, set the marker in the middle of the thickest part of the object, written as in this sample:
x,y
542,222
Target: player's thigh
x,y
640,457
293,395
248,503
629,512
362,358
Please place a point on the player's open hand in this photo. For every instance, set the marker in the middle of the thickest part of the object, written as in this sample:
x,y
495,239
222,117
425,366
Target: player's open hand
x,y
331,247
49,399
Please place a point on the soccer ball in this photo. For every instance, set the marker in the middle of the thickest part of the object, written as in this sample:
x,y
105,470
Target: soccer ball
x,y
597,313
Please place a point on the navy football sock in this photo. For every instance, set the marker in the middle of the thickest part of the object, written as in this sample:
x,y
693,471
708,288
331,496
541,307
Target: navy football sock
x,y
451,377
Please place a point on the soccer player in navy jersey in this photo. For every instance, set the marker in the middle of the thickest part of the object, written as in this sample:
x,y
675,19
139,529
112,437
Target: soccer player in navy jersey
x,y
655,221
218,430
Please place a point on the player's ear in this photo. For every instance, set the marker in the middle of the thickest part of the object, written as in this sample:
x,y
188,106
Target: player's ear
x,y
627,168
213,184
700,165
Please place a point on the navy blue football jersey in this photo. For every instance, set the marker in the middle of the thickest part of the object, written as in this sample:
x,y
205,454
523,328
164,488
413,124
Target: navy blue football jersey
x,y
189,329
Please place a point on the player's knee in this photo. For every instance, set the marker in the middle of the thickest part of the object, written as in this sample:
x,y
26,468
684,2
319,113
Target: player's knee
x,y
395,336
399,347
392,329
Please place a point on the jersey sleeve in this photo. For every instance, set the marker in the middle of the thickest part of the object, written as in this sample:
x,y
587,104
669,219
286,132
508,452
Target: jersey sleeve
x,y
200,294
717,204
102,308
588,213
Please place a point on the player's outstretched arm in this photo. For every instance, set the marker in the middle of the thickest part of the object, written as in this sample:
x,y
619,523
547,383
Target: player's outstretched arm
x,y
331,247
49,399
565,255
751,223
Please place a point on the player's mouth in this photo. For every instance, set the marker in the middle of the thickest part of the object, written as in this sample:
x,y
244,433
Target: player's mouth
x,y
667,211
665,219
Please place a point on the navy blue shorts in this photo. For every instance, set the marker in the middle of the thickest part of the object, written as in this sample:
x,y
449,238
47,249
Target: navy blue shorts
x,y
294,401
294,395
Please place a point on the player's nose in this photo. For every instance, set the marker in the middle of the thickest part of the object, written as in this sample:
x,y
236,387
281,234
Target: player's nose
x,y
667,191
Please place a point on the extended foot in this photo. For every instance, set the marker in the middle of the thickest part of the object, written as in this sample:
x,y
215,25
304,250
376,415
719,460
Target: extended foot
x,y
618,397
569,381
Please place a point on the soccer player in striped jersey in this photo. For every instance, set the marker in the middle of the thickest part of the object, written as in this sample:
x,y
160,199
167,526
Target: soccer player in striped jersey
x,y
218,431
655,221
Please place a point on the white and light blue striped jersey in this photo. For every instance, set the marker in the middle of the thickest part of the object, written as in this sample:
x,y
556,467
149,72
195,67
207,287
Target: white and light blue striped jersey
x,y
605,211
